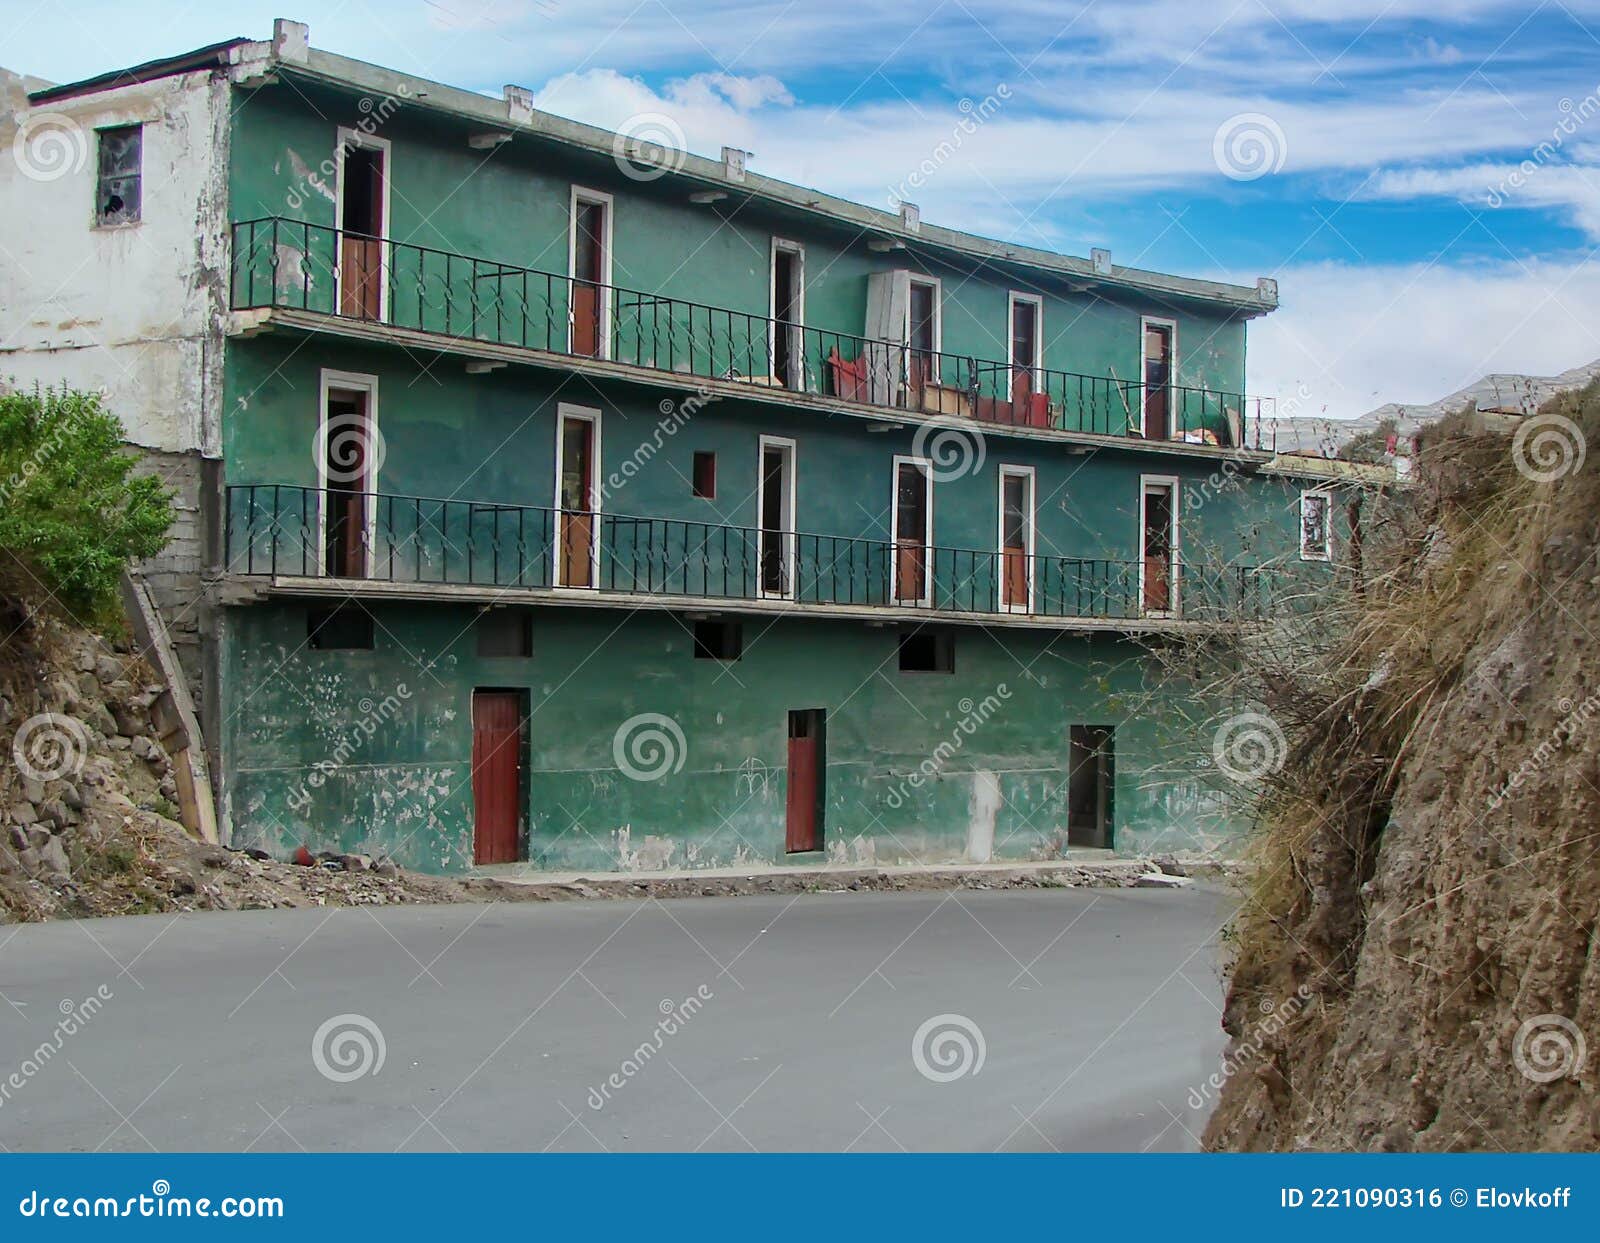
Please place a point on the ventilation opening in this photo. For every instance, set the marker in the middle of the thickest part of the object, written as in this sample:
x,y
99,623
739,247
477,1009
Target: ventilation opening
x,y
705,475
505,632
346,628
927,651
718,640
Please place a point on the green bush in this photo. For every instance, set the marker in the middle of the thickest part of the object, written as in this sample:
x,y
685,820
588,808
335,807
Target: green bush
x,y
72,512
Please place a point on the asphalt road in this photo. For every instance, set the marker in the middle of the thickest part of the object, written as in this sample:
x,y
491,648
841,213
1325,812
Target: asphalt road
x,y
792,1026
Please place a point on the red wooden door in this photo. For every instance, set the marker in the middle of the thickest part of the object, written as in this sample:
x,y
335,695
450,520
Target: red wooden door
x,y
803,820
1157,382
577,503
588,284
361,278
497,746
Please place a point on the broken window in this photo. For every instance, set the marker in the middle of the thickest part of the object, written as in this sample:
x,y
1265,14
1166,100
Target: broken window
x,y
1316,532
505,632
118,187
718,640
927,651
346,628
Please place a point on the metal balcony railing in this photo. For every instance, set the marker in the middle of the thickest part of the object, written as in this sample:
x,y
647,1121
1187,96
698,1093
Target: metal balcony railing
x,y
283,530
295,265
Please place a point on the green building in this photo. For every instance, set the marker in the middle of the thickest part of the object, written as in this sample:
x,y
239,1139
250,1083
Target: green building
x,y
555,497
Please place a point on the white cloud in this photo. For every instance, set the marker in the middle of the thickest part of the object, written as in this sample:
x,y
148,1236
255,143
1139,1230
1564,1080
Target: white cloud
x,y
1357,337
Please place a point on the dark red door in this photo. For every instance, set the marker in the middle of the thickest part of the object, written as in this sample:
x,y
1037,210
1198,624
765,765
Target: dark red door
x,y
803,821
497,746
1157,382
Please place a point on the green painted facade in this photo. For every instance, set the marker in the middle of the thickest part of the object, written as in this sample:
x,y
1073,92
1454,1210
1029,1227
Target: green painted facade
x,y
371,750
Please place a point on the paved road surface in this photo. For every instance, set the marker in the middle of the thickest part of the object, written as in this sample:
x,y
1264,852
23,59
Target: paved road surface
x,y
501,1025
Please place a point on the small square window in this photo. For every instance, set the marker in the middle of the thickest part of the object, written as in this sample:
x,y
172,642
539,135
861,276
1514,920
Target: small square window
x,y
505,632
1316,528
718,640
705,474
927,651
346,628
119,183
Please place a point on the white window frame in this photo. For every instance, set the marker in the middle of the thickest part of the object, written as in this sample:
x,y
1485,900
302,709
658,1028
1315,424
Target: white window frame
x,y
352,382
1012,298
789,526
926,599
1174,600
583,194
1326,554
1025,473
566,411
1174,432
344,139
785,246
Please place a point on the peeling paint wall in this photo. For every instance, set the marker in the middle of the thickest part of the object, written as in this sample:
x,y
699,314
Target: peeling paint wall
x,y
133,309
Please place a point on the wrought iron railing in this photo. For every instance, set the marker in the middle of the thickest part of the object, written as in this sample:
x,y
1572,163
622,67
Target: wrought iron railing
x,y
296,265
283,530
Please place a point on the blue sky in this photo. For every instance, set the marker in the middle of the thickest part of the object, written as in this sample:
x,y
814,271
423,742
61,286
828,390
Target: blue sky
x,y
1412,253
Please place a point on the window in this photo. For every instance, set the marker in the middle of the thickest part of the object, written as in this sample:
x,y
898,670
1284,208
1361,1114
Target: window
x,y
927,651
346,628
718,640
505,632
118,187
1316,530
1158,536
705,474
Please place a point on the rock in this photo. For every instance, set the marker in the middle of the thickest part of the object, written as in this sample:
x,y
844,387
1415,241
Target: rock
x,y
18,837
386,867
118,743
86,658
1170,865
28,861
108,669
57,813
33,790
35,837
127,720
1160,880
53,860
72,796
356,863
102,720
23,813
142,747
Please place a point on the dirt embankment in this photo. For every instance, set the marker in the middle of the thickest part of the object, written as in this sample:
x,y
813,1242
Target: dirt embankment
x,y
1417,959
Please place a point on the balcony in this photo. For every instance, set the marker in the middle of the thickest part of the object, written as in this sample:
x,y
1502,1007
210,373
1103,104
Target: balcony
x,y
301,540
293,266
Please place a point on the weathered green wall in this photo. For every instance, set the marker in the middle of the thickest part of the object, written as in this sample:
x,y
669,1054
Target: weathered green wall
x,y
371,750
512,205
492,438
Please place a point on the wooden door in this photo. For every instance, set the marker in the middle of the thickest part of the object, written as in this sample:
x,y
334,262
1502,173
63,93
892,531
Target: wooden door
x,y
577,517
497,757
911,533
1157,381
360,241
803,812
1015,537
1158,551
588,278
922,336
777,519
347,474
